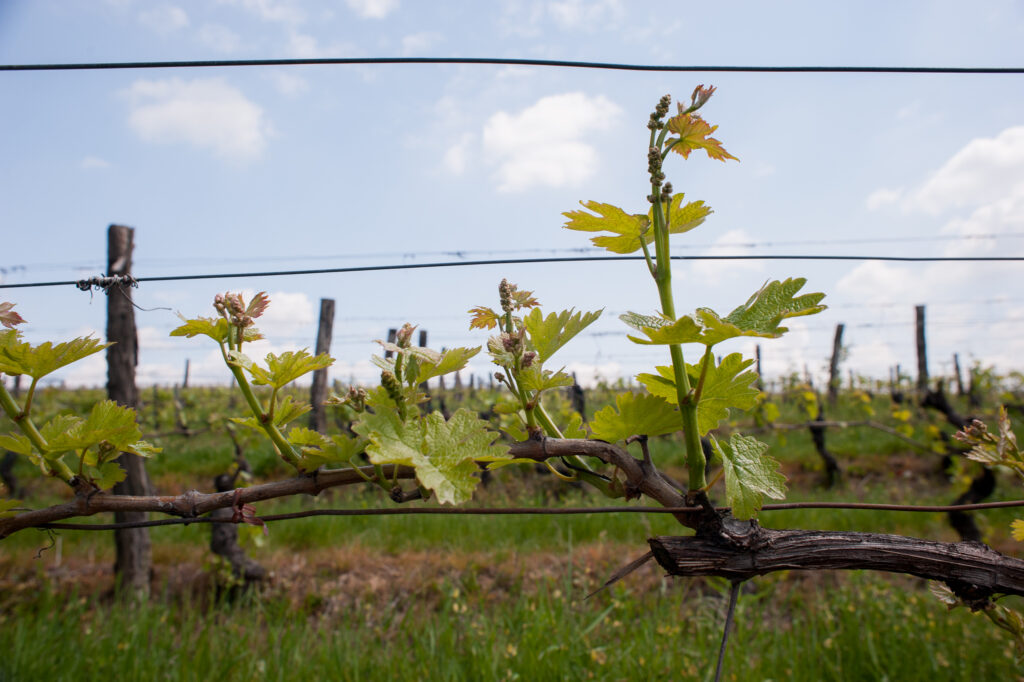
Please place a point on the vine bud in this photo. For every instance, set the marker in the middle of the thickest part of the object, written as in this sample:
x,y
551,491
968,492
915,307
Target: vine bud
x,y
528,358
403,339
700,96
356,398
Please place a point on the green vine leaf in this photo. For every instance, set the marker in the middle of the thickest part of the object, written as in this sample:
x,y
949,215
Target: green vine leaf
x,y
575,428
7,508
19,357
635,414
631,229
217,328
317,449
750,475
548,334
281,369
451,360
760,316
110,427
726,386
453,448
537,379
288,410
106,475
444,454
16,442
661,331
763,312
683,218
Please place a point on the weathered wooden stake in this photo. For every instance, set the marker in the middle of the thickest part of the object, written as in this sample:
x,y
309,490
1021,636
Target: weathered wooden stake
x,y
134,561
757,366
959,376
392,335
922,355
318,391
424,407
184,381
156,408
833,365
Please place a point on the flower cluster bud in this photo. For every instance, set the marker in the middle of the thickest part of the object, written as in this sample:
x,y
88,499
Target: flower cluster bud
x,y
528,358
219,305
654,167
666,192
505,295
660,111
392,386
663,104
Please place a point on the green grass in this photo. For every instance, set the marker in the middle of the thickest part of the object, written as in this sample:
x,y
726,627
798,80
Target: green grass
x,y
858,628
529,625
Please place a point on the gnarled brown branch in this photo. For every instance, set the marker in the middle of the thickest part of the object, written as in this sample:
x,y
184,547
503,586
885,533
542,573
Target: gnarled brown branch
x,y
194,503
956,563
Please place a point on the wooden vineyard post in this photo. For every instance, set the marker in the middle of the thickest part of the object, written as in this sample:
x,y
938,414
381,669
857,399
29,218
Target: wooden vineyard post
x,y
833,366
425,408
757,366
318,391
392,335
922,355
133,561
958,375
184,381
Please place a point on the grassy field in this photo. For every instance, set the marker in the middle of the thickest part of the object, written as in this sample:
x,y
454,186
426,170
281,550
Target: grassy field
x,y
492,598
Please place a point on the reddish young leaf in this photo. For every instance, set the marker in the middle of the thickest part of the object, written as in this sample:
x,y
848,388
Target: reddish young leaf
x,y
695,133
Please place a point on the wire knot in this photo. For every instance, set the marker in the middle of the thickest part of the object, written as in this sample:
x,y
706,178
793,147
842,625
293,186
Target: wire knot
x,y
105,283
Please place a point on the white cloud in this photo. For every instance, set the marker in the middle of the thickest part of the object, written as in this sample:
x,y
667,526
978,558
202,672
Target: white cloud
x,y
542,145
305,46
417,43
874,282
93,162
732,243
1001,216
164,19
985,170
287,315
275,11
220,38
883,197
287,83
527,18
372,9
985,177
586,14
456,157
589,375
207,113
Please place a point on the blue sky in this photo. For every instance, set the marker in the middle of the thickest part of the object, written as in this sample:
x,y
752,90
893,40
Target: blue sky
x,y
260,168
